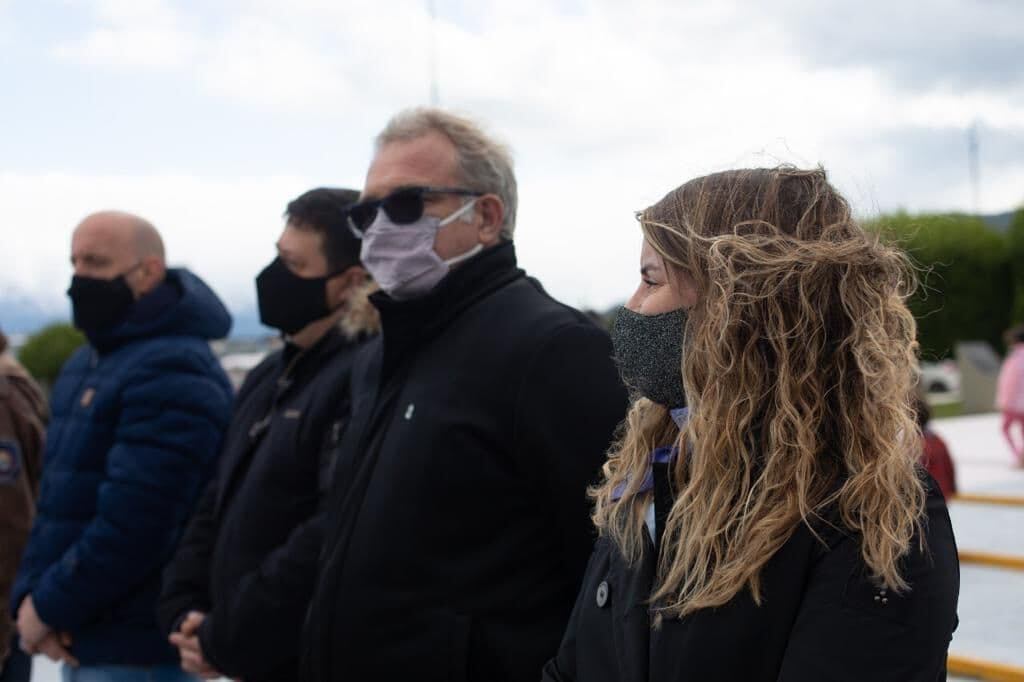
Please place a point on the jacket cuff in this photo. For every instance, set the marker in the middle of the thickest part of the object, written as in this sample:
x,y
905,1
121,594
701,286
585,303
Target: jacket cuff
x,y
206,643
176,623
52,608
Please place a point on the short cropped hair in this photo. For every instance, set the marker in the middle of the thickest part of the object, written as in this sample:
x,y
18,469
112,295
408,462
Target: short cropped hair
x,y
1014,335
485,164
325,211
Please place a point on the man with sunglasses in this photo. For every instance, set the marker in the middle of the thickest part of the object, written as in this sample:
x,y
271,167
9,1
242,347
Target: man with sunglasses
x,y
458,527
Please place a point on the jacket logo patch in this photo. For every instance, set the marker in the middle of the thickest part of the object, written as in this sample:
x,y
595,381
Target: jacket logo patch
x,y
87,396
336,432
10,462
292,414
409,411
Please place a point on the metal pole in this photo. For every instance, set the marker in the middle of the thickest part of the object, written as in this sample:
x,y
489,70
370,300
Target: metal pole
x,y
435,98
973,166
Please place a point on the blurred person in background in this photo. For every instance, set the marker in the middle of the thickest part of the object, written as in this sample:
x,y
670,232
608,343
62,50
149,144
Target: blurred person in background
x,y
763,516
1010,392
138,416
935,456
236,593
458,524
22,431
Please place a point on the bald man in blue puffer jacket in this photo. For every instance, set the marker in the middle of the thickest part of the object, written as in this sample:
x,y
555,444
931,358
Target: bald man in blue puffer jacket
x,y
138,417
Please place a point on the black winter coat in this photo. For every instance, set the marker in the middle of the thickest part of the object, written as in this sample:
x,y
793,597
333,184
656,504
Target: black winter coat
x,y
249,555
822,619
459,527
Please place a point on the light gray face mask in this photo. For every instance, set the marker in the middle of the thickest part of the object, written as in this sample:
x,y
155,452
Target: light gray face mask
x,y
401,258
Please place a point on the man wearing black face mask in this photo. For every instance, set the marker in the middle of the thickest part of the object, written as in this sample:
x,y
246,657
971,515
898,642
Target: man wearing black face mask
x,y
138,416
236,593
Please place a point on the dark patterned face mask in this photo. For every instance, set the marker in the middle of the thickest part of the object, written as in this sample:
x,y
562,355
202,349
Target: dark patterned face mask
x,y
649,354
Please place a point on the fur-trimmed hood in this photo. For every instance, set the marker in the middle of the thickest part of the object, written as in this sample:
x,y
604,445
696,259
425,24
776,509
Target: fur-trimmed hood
x,y
361,317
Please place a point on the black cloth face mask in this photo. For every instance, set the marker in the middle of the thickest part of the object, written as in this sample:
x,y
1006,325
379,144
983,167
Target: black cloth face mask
x,y
649,354
288,302
98,305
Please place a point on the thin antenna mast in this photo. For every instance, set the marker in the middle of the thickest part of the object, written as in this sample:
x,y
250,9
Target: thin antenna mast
x,y
973,166
435,98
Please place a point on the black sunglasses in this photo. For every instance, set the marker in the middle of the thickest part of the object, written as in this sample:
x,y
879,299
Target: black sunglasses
x,y
403,206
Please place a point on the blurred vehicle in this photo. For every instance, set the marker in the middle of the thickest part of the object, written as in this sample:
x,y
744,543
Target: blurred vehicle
x,y
940,377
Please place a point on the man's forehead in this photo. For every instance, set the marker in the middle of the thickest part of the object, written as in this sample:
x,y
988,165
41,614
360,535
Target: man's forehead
x,y
102,237
425,160
297,237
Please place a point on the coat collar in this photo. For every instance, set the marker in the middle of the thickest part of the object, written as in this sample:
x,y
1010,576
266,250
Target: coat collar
x,y
407,325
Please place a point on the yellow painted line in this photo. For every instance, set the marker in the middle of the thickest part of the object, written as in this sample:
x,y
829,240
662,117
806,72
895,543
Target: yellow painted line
x,y
980,498
1015,563
983,670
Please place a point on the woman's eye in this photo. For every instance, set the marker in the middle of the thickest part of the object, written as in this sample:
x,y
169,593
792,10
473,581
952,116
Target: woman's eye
x,y
650,283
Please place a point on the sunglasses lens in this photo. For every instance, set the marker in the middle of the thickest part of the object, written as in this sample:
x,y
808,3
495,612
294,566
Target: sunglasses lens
x,y
362,215
404,207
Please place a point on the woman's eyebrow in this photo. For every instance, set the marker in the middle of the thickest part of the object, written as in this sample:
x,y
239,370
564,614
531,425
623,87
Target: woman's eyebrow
x,y
646,268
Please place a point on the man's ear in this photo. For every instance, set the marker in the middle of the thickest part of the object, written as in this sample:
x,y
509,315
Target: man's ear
x,y
341,285
151,272
492,214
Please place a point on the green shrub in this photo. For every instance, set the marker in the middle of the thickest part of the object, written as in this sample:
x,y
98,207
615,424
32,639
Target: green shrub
x,y
1015,236
967,285
46,351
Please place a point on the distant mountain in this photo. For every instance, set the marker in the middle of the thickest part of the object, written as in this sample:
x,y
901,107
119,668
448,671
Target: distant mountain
x,y
1000,222
246,325
21,315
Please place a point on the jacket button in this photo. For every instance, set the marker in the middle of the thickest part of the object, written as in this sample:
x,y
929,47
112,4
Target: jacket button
x,y
602,594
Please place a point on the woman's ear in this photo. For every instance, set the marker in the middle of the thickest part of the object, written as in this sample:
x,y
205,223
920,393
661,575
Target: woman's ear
x,y
492,213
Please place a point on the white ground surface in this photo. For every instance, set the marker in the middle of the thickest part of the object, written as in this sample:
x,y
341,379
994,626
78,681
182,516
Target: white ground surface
x,y
991,600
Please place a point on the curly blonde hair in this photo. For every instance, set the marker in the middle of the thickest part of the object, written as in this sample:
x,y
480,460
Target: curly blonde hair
x,y
799,366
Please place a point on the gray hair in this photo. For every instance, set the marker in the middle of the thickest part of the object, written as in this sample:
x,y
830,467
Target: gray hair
x,y
485,164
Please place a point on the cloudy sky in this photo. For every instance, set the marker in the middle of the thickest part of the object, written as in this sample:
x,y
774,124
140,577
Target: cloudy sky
x,y
208,116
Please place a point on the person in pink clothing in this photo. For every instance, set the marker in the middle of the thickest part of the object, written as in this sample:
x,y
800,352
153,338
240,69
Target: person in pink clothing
x,y
1010,391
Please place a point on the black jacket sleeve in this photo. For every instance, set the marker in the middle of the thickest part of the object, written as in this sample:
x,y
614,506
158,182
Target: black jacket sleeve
x,y
186,580
848,629
186,585
570,404
562,668
260,628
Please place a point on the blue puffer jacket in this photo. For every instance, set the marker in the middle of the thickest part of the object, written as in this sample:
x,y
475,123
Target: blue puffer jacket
x,y
138,417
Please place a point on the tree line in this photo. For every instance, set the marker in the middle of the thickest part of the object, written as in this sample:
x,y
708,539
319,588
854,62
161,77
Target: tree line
x,y
971,277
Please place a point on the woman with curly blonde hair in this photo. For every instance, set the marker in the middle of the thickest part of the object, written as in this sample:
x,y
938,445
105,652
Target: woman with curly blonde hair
x,y
762,516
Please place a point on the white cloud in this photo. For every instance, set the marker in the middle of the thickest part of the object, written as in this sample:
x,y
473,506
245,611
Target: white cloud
x,y
133,34
223,229
607,105
259,62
